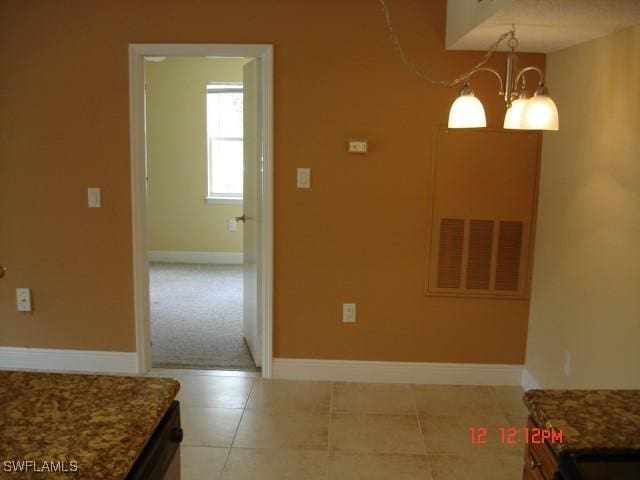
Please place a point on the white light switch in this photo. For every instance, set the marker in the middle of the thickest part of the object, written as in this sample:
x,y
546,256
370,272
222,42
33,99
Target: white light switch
x,y
94,197
23,299
349,312
304,178
233,225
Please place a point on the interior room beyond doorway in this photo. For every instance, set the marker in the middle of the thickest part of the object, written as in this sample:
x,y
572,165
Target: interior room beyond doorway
x,y
194,138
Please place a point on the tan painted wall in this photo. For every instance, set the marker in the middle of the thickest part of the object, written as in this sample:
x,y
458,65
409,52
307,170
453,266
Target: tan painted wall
x,y
359,234
586,281
179,219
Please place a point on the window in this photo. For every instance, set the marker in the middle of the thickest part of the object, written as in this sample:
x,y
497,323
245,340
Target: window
x,y
224,142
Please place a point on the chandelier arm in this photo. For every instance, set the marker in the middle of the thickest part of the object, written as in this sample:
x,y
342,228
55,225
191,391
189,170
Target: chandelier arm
x,y
487,69
528,69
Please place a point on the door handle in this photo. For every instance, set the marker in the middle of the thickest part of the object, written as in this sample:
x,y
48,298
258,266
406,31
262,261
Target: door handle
x,y
3,270
243,218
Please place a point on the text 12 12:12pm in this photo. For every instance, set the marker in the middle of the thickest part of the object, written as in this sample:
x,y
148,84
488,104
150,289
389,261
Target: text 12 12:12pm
x,y
514,436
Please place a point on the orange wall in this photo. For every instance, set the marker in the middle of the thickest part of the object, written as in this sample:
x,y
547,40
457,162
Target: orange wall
x,y
358,235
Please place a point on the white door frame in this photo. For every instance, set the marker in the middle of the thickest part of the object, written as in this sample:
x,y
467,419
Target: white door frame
x,y
137,52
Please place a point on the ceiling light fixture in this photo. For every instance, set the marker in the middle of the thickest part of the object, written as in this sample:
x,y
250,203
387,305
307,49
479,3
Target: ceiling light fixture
x,y
467,111
523,113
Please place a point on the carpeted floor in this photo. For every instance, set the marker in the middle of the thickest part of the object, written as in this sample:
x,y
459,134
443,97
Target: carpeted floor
x,y
196,316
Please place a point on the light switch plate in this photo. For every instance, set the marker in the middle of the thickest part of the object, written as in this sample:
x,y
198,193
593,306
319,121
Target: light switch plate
x,y
23,299
94,197
304,178
233,225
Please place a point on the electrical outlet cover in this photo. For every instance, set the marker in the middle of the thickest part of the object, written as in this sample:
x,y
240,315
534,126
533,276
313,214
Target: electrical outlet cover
x,y
566,368
349,312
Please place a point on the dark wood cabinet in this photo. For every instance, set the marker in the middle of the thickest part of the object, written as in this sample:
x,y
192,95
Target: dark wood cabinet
x,y
160,459
540,463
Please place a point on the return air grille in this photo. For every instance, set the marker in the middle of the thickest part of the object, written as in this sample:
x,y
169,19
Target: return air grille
x,y
467,250
481,216
450,252
479,254
509,251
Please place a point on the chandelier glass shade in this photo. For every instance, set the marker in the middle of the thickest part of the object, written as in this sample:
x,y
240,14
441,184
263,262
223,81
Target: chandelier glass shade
x,y
467,111
540,113
513,115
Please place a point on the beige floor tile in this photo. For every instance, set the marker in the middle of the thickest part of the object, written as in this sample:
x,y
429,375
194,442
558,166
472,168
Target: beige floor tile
x,y
212,391
292,430
454,399
286,396
475,467
164,372
275,464
373,398
221,373
209,427
509,399
448,434
376,433
202,463
377,466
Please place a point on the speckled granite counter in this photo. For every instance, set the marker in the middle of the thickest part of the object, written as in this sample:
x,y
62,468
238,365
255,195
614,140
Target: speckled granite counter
x,y
591,421
101,422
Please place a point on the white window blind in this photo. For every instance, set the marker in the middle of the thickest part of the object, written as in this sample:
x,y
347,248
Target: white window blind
x,y
224,140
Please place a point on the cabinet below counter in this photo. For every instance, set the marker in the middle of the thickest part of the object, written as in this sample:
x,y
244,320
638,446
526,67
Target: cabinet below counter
x,y
540,461
599,429
79,426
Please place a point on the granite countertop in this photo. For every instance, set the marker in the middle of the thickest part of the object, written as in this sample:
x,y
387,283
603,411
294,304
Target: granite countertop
x,y
591,421
101,422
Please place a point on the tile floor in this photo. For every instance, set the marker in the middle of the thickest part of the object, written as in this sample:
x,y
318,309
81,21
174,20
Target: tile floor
x,y
239,426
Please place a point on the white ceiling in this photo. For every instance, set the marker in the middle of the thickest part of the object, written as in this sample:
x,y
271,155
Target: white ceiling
x,y
547,25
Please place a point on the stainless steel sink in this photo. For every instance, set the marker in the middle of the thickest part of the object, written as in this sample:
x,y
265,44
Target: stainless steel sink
x,y
600,466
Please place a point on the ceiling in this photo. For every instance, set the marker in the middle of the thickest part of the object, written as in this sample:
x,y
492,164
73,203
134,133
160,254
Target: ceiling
x,y
542,25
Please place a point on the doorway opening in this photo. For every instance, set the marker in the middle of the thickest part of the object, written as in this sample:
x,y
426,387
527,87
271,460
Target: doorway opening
x,y
202,205
194,143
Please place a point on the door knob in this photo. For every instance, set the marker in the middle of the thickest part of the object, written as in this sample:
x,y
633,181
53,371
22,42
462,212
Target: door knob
x,y
3,270
243,218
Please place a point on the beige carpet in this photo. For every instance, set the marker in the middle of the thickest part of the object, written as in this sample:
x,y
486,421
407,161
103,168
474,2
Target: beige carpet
x,y
196,316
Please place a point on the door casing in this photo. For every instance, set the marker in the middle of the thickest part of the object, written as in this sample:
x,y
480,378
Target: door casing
x,y
137,52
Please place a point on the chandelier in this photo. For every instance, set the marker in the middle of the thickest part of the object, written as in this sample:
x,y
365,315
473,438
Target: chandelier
x,y
523,112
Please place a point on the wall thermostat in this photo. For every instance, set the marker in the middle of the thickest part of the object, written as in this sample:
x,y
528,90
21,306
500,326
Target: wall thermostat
x,y
358,146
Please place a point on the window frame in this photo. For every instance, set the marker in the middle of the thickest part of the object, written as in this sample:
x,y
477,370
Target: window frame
x,y
212,197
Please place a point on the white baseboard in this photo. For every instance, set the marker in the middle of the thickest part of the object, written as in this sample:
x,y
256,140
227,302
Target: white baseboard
x,y
227,258
529,382
68,360
397,372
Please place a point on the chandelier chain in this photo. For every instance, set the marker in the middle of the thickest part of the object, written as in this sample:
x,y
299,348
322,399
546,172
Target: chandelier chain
x,y
412,66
